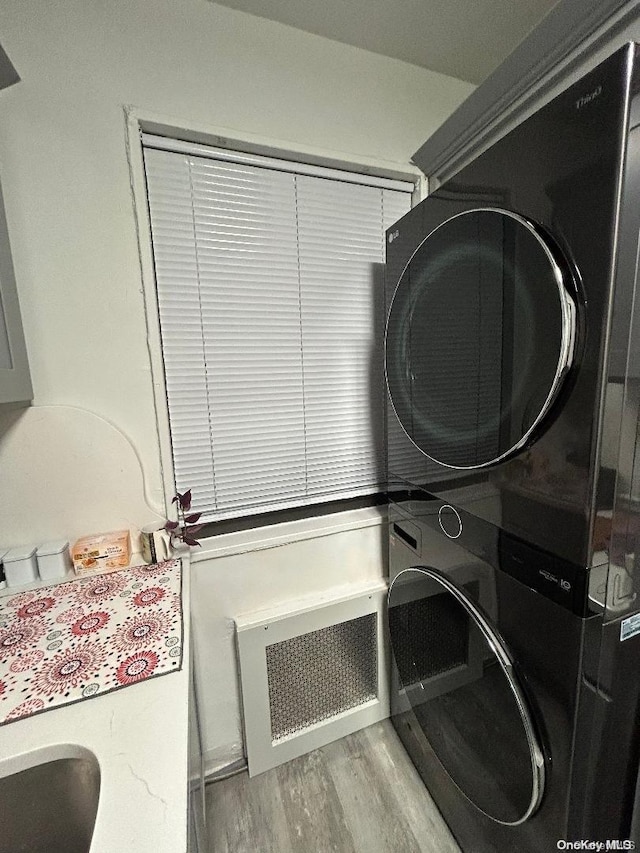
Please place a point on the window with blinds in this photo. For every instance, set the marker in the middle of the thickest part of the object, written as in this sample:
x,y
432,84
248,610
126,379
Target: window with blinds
x,y
270,291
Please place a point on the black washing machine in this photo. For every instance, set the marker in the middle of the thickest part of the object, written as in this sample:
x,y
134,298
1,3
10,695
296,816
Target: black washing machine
x,y
513,368
497,721
518,707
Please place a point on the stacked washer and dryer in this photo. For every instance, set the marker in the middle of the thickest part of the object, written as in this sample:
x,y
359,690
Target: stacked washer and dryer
x,y
513,370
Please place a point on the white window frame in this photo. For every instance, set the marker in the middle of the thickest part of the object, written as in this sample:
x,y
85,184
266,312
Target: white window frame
x,y
138,122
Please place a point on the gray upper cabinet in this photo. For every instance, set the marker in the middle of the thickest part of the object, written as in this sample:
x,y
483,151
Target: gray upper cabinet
x,y
8,74
15,379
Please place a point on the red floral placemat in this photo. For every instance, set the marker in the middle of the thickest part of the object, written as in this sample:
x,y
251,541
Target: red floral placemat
x,y
83,638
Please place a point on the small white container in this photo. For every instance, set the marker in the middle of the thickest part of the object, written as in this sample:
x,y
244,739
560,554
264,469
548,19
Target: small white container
x,y
20,565
54,560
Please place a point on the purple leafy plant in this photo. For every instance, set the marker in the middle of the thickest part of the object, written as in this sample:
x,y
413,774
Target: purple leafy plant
x,y
185,528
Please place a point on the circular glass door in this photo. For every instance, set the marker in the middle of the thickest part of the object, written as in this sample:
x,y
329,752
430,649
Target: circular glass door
x,y
458,678
480,336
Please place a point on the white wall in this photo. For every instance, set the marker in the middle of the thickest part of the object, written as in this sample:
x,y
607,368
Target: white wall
x,y
63,164
294,562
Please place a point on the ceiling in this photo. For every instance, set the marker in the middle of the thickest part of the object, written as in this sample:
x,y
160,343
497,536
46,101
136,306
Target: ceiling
x,y
467,39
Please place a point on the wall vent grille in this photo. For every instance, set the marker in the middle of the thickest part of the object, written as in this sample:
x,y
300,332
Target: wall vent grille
x,y
320,674
311,676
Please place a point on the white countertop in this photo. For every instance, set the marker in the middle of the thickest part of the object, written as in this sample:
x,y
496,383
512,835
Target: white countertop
x,y
139,736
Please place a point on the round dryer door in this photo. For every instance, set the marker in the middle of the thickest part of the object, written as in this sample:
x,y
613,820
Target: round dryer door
x,y
480,336
458,681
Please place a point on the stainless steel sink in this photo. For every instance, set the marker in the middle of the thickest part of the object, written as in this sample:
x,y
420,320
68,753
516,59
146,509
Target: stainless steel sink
x,y
50,807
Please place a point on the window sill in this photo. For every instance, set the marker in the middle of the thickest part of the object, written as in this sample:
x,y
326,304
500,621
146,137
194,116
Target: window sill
x,y
274,535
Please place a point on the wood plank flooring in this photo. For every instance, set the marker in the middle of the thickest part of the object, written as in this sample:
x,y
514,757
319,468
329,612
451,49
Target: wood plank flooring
x,y
360,794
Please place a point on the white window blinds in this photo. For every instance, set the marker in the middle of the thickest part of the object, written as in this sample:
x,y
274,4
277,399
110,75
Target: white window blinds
x,y
270,292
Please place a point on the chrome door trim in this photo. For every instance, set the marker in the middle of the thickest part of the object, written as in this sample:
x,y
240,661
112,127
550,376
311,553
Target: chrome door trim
x,y
568,341
498,647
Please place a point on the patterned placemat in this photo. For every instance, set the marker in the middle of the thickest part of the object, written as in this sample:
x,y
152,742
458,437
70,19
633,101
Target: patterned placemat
x,y
78,639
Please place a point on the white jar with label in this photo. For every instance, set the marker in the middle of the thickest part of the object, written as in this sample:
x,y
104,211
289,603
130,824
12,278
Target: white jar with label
x,y
20,565
54,560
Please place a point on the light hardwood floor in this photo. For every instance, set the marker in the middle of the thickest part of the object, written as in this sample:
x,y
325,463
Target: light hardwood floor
x,y
360,794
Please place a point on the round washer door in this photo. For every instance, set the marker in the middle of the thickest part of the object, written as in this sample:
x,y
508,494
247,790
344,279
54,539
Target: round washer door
x,y
480,335
458,678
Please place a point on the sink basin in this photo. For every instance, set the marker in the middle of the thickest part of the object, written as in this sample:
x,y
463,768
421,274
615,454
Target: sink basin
x,y
50,807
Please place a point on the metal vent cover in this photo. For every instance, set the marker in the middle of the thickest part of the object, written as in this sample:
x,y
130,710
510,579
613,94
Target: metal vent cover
x,y
312,673
320,674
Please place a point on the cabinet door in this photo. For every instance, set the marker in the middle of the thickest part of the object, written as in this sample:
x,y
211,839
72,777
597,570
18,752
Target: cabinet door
x,y
15,379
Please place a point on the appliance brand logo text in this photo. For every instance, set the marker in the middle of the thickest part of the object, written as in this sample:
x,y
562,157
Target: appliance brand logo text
x,y
548,575
563,584
586,99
